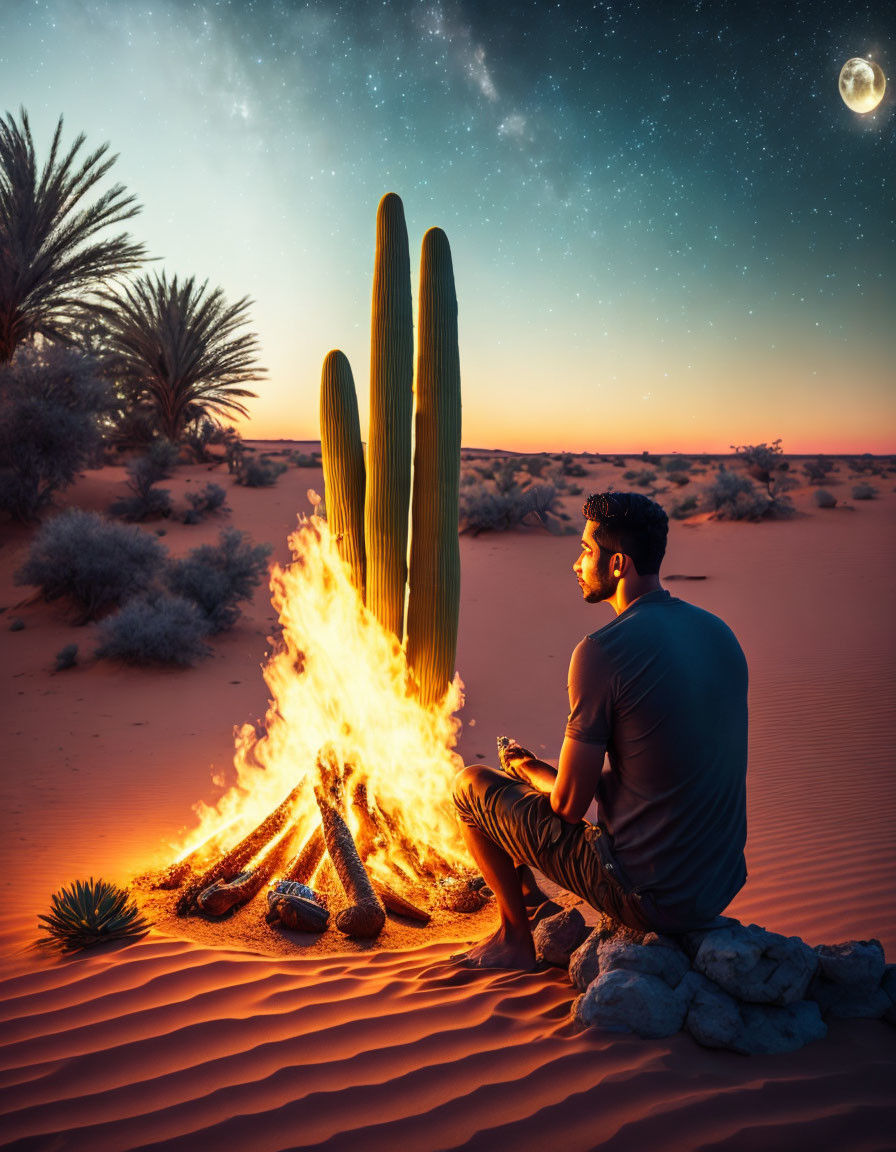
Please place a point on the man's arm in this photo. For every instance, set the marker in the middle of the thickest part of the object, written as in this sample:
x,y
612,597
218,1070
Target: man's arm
x,y
576,780
571,786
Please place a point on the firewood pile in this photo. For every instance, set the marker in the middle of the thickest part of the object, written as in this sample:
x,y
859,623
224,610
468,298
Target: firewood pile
x,y
276,856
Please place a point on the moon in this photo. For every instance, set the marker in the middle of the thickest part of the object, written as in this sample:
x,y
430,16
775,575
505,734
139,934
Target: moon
x,y
862,84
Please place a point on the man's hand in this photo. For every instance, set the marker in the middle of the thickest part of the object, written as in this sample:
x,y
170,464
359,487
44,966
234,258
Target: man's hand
x,y
512,757
521,764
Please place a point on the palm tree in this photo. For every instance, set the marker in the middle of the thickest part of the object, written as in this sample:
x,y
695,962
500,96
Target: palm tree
x,y
50,258
177,346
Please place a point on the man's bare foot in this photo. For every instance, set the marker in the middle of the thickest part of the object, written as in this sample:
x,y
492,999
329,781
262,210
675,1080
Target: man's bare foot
x,y
500,951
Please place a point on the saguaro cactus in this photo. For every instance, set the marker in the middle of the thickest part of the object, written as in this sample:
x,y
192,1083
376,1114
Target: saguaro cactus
x,y
343,460
434,578
391,409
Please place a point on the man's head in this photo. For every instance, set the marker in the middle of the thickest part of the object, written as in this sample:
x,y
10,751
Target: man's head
x,y
624,531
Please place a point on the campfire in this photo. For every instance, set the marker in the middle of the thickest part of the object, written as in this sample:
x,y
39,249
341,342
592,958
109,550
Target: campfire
x,y
350,777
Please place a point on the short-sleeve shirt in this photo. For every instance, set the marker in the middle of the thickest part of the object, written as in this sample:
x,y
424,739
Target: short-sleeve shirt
x,y
663,688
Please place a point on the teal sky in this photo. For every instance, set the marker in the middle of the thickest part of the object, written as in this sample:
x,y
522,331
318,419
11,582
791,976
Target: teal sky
x,y
669,232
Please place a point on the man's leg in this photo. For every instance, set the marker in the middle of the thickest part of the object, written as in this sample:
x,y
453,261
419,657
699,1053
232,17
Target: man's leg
x,y
511,946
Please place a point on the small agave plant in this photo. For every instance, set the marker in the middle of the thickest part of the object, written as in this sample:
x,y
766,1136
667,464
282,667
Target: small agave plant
x,y
88,913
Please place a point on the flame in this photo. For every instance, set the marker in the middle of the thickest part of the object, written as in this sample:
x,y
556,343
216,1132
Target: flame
x,y
339,682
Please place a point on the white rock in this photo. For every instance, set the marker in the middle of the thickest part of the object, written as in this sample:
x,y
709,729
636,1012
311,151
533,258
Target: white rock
x,y
755,965
656,956
621,1001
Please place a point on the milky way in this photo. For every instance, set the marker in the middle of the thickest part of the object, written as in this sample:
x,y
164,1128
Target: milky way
x,y
661,215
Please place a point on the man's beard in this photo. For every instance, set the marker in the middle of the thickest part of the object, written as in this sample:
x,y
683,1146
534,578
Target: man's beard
x,y
606,584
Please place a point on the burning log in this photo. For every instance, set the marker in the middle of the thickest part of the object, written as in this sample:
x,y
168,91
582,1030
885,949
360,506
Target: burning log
x,y
230,865
175,874
301,867
222,896
365,915
397,903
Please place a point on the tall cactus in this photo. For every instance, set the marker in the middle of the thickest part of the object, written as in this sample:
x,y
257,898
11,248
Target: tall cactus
x,y
434,578
391,409
343,460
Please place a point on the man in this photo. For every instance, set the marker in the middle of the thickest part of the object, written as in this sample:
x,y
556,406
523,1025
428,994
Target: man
x,y
662,690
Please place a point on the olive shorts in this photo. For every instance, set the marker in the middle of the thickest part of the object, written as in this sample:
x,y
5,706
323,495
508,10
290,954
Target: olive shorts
x,y
519,819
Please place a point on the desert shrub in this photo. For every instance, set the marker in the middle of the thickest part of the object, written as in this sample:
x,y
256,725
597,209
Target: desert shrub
x,y
824,499
198,435
676,464
210,499
234,449
16,624
534,465
217,577
681,509
260,473
864,492
575,489
66,657
303,460
642,479
52,400
155,628
490,510
146,502
765,463
678,478
94,562
570,467
544,501
732,496
629,475
818,470
498,509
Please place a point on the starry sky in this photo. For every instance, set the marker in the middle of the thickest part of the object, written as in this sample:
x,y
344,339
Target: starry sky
x,y
669,232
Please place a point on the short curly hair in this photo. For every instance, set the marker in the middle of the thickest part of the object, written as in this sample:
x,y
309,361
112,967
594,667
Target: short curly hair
x,y
632,524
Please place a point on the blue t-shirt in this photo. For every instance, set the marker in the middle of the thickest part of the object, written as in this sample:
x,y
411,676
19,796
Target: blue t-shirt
x,y
663,688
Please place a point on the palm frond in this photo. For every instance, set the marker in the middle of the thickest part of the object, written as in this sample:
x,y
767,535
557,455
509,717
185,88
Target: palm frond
x,y
51,257
181,346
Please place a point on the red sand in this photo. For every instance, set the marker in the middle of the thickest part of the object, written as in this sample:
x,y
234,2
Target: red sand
x,y
185,1044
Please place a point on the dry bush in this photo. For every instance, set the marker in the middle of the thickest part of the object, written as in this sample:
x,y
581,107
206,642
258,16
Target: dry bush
x,y
155,628
91,561
216,578
52,401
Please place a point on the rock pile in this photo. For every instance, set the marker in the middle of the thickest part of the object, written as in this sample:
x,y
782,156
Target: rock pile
x,y
733,986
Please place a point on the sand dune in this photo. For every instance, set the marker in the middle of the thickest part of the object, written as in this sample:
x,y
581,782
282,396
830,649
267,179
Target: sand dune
x,y
196,1044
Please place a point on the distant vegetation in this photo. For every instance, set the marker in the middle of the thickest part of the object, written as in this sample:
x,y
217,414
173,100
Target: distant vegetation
x,y
92,355
97,565
515,491
52,405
